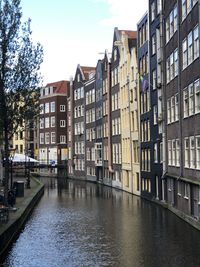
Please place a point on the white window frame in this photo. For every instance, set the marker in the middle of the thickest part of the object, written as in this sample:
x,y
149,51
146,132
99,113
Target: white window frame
x,y
62,108
62,123
53,106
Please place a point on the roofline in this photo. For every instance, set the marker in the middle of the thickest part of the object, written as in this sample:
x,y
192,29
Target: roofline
x,y
145,14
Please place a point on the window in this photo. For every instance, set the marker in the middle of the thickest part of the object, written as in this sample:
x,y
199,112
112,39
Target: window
x,y
189,5
47,122
185,53
62,139
168,69
169,152
41,108
47,138
171,23
41,138
158,6
176,107
169,110
153,44
192,152
41,123
185,103
186,141
155,111
46,107
171,66
191,99
53,137
175,62
177,153
184,10
190,48
196,42
153,11
53,121
161,152
175,18
167,30
172,109
173,152
197,96
52,106
198,152
154,79
62,123
186,190
62,108
155,152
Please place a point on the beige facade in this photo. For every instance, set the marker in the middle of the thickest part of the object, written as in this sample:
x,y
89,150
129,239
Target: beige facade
x,y
19,141
129,113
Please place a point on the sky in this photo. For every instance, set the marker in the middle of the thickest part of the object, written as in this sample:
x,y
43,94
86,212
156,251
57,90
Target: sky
x,y
77,32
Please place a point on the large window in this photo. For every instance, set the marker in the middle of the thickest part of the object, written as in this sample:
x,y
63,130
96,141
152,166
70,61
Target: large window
x,y
197,96
187,6
174,152
171,23
191,99
196,42
172,66
192,152
190,47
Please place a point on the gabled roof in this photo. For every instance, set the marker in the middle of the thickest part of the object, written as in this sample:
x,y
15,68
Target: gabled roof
x,y
86,71
61,87
130,34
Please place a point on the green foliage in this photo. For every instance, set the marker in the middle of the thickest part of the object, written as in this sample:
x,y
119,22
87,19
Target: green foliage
x,y
20,62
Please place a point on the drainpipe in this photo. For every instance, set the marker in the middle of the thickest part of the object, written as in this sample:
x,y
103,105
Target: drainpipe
x,y
109,122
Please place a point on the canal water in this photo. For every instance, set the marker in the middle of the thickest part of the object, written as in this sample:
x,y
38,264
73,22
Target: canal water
x,y
79,224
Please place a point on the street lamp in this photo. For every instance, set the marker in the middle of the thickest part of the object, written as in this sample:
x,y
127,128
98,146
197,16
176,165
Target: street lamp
x,y
28,184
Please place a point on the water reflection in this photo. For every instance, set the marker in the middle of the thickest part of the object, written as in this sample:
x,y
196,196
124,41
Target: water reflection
x,y
83,224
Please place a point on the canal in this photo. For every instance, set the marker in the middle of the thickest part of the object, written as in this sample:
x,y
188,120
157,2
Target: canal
x,y
83,224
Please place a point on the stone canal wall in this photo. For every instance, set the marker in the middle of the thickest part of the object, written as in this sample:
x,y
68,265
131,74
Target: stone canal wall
x,y
24,205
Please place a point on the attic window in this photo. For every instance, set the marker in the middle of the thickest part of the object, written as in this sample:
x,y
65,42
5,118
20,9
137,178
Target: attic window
x,y
91,75
78,77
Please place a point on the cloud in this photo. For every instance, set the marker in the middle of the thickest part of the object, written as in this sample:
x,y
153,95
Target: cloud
x,y
124,13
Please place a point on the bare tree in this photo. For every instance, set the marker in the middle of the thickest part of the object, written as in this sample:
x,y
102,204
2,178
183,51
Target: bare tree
x,y
20,62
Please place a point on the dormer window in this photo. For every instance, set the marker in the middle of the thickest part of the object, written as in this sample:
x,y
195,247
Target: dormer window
x,y
91,75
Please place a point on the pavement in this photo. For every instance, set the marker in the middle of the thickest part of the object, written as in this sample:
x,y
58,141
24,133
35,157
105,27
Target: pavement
x,y
21,202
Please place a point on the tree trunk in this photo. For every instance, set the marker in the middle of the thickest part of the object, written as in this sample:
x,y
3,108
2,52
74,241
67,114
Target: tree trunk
x,y
4,118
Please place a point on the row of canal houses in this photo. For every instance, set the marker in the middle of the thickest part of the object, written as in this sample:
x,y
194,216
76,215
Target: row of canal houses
x,y
133,121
